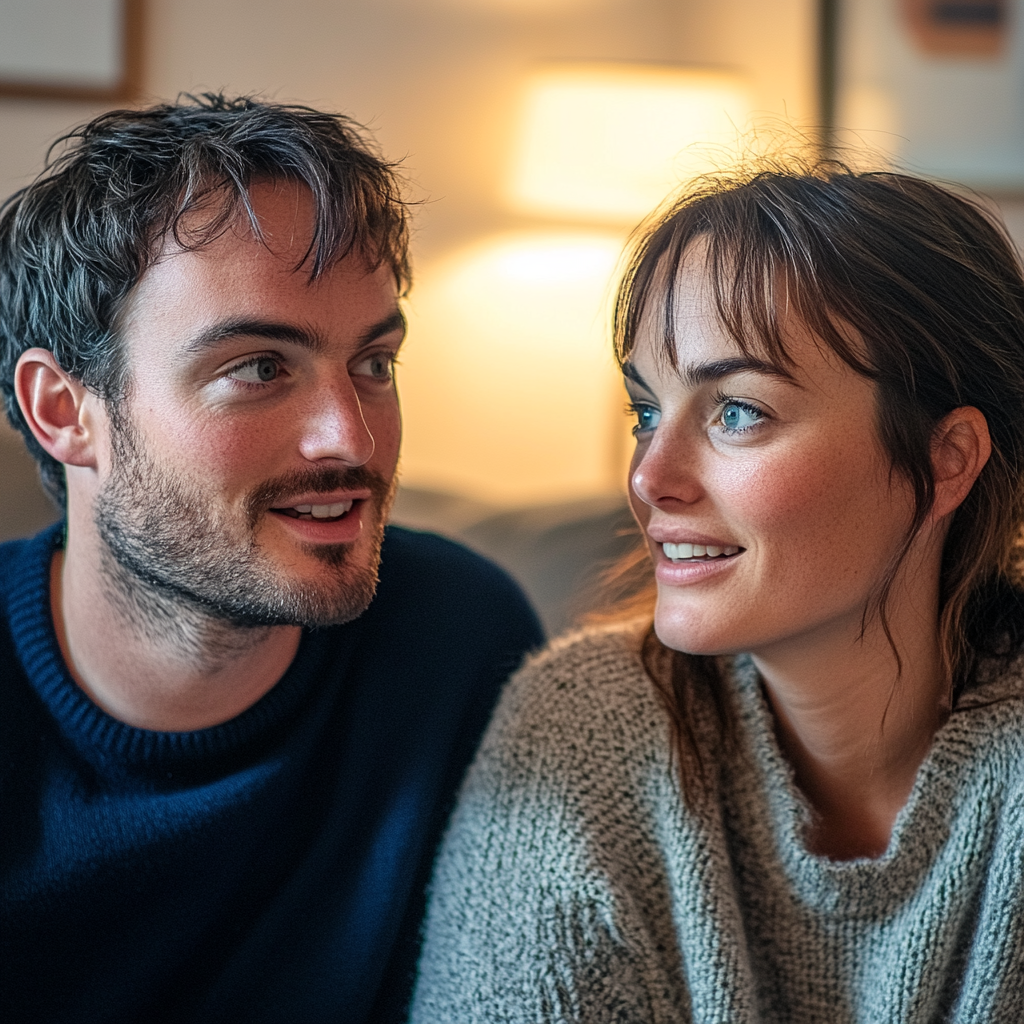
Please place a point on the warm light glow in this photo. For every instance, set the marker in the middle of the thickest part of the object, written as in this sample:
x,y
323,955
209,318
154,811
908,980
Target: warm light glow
x,y
610,141
508,379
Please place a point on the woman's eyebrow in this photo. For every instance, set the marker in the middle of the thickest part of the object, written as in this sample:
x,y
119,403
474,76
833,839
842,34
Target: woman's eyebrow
x,y
695,375
630,372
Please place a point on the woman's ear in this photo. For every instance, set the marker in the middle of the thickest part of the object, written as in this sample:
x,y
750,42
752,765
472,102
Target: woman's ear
x,y
961,446
57,408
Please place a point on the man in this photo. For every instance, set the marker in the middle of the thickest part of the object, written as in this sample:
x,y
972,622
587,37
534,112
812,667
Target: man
x,y
229,748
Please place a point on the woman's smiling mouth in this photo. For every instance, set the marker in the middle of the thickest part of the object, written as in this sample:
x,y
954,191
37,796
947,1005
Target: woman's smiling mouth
x,y
697,552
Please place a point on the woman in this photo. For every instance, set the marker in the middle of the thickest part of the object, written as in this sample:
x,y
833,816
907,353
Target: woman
x,y
798,795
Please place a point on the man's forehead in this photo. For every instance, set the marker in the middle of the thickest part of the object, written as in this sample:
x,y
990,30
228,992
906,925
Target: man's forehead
x,y
191,301
278,216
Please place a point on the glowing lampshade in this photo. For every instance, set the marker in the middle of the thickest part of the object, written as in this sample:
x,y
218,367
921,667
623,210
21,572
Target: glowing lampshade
x,y
508,382
610,141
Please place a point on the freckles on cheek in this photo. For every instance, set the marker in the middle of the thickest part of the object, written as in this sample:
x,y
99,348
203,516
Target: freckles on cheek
x,y
787,503
219,453
772,491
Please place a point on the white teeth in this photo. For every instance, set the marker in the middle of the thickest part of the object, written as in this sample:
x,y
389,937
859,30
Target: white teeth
x,y
678,552
339,508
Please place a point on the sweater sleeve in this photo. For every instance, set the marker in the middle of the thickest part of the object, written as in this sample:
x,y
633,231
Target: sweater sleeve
x,y
532,917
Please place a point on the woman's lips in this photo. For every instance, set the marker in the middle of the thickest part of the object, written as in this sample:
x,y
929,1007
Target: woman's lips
x,y
686,552
693,563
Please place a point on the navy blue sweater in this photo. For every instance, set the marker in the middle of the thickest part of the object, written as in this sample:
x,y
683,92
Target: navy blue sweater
x,y
269,869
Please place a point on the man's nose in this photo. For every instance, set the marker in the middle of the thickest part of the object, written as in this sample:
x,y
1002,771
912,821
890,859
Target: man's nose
x,y
334,426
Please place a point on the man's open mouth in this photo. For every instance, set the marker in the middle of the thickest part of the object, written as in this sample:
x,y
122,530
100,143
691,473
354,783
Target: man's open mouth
x,y
334,511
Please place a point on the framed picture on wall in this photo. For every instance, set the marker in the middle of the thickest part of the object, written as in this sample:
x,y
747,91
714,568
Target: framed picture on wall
x,y
939,84
70,49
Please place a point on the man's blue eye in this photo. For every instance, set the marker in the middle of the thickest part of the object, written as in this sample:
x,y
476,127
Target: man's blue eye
x,y
258,371
736,417
379,366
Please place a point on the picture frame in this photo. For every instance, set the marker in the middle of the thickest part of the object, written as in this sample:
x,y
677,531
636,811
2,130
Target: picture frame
x,y
937,85
70,49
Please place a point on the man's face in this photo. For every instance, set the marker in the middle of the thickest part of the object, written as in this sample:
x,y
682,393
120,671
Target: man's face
x,y
251,466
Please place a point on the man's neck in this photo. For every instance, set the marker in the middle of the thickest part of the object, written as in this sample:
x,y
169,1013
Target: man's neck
x,y
153,662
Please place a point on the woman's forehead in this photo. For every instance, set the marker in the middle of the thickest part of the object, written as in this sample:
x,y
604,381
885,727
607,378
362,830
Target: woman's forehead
x,y
682,329
680,318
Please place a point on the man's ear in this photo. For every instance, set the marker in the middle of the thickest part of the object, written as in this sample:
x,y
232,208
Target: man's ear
x,y
961,446
58,409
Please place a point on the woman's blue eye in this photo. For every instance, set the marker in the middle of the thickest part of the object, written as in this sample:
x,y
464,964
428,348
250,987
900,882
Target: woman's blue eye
x,y
737,417
647,417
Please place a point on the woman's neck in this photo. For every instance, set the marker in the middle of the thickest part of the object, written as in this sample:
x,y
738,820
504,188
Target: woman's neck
x,y
856,727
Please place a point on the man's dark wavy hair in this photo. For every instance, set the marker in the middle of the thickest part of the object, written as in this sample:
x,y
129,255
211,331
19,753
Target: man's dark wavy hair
x,y
76,241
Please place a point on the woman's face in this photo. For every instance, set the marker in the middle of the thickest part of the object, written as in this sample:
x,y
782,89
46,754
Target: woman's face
x,y
766,502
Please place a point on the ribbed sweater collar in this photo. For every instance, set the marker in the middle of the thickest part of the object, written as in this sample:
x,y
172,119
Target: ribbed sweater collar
x,y
869,887
102,739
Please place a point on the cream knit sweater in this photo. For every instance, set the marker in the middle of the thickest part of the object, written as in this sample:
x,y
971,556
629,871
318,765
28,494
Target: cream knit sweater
x,y
575,886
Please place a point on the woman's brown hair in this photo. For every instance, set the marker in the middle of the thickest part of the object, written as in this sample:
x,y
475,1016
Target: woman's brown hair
x,y
914,287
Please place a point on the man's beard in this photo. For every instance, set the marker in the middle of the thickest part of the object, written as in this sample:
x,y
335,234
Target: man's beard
x,y
171,556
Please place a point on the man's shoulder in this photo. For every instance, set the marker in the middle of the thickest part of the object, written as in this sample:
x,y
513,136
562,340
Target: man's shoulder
x,y
13,553
416,550
24,563
441,579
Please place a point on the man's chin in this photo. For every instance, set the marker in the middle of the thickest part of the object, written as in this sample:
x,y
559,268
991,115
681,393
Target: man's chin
x,y
338,588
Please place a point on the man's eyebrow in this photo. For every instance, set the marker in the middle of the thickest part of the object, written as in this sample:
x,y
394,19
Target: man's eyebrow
x,y
245,327
272,330
395,322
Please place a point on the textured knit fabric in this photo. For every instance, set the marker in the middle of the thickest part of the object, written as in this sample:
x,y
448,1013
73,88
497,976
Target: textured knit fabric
x,y
270,869
575,886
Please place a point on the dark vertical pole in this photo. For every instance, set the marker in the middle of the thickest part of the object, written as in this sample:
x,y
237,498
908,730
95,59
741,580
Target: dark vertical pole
x,y
828,60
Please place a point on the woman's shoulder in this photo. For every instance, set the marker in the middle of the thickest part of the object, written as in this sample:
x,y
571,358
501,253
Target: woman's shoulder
x,y
533,903
580,721
609,653
994,705
590,679
988,719
996,681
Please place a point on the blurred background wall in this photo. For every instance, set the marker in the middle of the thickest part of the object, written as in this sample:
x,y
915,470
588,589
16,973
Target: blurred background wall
x,y
509,391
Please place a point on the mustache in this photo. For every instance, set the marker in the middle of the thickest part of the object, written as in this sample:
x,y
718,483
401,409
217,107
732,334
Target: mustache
x,y
326,479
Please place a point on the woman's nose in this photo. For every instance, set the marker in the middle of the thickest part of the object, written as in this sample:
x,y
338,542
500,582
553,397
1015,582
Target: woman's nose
x,y
663,473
